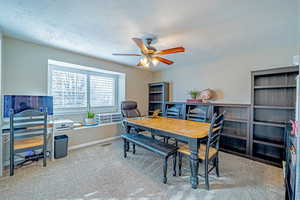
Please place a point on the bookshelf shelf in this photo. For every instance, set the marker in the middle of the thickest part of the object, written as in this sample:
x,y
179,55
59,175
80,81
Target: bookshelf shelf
x,y
274,86
275,107
269,143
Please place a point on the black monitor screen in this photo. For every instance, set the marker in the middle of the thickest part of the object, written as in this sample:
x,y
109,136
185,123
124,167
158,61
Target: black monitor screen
x,y
21,103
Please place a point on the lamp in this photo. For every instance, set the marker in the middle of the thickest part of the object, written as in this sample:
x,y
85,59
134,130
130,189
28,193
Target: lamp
x,y
148,61
145,62
155,62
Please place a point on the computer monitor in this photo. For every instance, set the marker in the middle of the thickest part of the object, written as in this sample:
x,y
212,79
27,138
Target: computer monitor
x,y
20,103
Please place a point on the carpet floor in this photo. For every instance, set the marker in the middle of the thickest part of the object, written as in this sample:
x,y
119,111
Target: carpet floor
x,y
100,172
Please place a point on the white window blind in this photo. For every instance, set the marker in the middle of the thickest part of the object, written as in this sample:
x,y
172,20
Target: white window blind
x,y
69,89
77,90
102,91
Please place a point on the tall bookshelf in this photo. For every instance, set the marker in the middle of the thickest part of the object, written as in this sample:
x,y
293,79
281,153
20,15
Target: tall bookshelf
x,y
273,98
235,136
158,94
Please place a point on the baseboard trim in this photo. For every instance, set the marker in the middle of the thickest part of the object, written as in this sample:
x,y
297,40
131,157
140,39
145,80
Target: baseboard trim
x,y
93,143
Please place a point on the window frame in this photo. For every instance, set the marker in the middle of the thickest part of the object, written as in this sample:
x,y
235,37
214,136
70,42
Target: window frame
x,y
95,109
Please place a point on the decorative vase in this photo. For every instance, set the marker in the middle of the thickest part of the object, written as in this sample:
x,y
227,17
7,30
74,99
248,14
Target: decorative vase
x,y
206,95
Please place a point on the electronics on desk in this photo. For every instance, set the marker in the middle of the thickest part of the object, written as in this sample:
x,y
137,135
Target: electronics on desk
x,y
63,124
20,103
104,118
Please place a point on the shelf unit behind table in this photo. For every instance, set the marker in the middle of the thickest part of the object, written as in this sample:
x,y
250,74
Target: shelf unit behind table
x,y
158,94
235,137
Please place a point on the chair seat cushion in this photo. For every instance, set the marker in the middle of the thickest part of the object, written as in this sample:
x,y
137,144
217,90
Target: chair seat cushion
x,y
201,151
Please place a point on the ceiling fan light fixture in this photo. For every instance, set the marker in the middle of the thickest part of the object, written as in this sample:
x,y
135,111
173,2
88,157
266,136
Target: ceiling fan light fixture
x,y
154,61
145,62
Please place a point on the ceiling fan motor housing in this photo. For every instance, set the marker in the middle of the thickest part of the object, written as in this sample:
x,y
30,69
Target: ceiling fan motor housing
x,y
151,49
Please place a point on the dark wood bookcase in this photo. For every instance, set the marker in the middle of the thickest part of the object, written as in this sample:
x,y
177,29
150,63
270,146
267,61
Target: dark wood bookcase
x,y
158,94
235,137
273,98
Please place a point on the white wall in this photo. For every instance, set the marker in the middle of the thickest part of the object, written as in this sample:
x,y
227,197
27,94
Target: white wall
x,y
229,77
254,37
25,66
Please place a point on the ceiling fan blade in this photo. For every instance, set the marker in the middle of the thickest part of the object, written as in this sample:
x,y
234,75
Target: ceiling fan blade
x,y
139,42
170,51
166,61
125,54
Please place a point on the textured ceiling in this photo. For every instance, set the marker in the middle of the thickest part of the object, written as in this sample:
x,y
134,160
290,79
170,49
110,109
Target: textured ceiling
x,y
207,29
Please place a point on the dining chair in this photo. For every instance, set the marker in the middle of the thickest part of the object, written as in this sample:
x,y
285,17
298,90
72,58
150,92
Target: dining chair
x,y
28,135
208,153
200,113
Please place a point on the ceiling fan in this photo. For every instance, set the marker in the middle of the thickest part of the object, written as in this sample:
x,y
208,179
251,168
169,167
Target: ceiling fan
x,y
151,56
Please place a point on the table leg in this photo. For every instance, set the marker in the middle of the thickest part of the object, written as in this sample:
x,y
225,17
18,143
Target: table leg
x,y
128,128
194,161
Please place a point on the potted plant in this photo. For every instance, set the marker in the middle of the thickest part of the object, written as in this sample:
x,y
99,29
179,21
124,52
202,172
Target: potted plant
x,y
90,118
194,94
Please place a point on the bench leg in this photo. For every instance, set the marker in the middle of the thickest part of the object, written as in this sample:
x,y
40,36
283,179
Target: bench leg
x,y
179,163
174,164
125,148
165,168
133,148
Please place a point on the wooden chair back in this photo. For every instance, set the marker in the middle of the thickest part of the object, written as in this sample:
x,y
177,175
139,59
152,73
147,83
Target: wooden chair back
x,y
215,130
200,113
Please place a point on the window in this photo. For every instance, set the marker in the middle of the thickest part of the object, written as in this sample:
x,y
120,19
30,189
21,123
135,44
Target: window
x,y
102,91
69,89
79,89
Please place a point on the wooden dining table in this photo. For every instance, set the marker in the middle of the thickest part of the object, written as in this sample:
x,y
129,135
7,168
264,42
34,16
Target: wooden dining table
x,y
187,131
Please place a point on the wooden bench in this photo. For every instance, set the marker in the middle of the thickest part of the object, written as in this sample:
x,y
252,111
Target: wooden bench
x,y
158,147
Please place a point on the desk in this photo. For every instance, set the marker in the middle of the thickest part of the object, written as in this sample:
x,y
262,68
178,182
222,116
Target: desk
x,y
189,131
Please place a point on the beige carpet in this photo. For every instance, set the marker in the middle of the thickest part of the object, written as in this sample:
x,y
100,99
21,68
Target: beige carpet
x,y
100,173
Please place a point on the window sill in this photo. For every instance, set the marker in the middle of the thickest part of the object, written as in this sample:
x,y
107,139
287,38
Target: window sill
x,y
87,127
